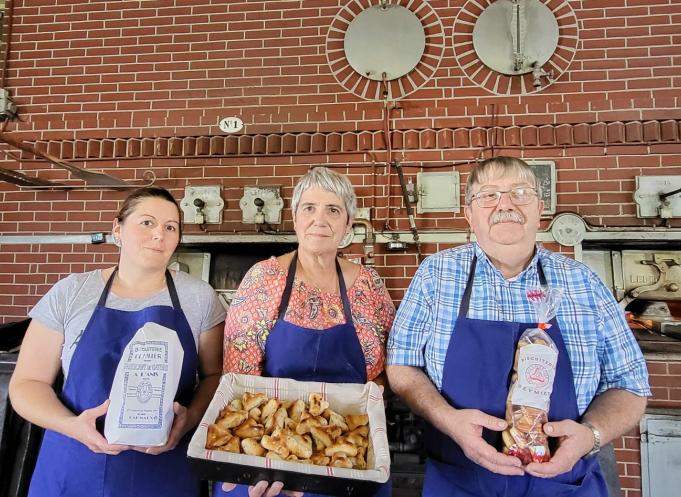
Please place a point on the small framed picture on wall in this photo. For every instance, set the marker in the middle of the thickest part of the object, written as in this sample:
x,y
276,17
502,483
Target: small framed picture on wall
x,y
546,178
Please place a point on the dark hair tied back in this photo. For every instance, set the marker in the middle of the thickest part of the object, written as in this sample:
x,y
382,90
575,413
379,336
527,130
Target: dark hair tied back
x,y
137,196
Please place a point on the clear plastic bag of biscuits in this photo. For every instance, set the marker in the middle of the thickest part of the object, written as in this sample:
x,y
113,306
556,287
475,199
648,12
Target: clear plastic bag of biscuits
x,y
534,370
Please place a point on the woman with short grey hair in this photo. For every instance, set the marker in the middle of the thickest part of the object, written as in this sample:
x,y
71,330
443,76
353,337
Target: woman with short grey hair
x,y
292,316
330,181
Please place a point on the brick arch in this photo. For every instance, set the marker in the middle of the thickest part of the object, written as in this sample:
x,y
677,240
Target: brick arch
x,y
600,134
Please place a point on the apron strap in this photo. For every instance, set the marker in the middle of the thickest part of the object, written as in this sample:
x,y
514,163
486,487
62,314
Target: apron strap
x,y
169,283
172,291
466,299
344,294
540,272
283,304
107,288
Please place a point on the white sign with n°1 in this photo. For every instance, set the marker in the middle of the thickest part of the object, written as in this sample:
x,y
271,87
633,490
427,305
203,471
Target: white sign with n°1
x,y
231,124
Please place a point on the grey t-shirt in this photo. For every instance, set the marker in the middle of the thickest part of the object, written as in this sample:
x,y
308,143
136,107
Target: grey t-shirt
x,y
69,304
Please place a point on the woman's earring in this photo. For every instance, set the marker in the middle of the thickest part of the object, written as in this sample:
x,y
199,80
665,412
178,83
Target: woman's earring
x,y
116,241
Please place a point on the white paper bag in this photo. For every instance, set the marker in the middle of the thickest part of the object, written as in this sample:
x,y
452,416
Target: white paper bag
x,y
141,408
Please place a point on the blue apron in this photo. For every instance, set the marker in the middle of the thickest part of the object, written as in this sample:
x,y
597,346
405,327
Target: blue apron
x,y
333,355
67,468
476,375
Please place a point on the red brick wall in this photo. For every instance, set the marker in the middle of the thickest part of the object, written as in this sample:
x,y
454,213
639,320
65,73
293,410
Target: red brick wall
x,y
122,87
628,453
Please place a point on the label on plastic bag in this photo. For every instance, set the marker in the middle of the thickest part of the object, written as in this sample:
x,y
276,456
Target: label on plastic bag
x,y
144,386
536,370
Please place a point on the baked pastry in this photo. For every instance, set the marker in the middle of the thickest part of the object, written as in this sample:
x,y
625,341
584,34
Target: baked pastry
x,y
336,419
217,436
269,408
291,430
341,446
252,447
296,410
232,419
276,445
317,404
251,400
232,445
356,420
340,460
299,445
250,429
255,414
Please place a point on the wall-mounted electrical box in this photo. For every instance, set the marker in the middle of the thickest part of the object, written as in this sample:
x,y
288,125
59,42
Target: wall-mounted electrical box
x,y
438,192
650,196
202,205
261,204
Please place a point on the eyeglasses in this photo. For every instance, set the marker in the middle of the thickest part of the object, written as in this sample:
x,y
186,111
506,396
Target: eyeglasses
x,y
520,195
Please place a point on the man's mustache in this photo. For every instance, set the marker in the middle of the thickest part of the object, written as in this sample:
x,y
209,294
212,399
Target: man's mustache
x,y
507,217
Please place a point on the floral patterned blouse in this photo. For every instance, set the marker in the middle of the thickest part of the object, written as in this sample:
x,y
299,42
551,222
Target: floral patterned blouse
x,y
255,306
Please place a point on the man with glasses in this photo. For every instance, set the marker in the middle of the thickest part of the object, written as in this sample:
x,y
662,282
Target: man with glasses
x,y
451,351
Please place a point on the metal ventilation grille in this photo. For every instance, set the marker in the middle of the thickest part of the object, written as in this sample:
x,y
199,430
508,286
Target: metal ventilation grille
x,y
398,88
501,84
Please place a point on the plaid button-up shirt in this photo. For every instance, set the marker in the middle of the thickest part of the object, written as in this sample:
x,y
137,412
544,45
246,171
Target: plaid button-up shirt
x,y
602,349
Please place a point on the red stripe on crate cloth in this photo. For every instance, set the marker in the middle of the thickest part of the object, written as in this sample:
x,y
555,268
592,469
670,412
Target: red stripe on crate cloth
x,y
276,388
208,455
203,424
384,469
375,398
329,470
324,390
268,463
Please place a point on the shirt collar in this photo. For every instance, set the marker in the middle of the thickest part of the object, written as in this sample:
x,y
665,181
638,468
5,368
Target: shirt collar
x,y
528,272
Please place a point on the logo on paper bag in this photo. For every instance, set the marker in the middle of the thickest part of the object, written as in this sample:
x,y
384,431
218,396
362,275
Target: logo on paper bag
x,y
145,391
